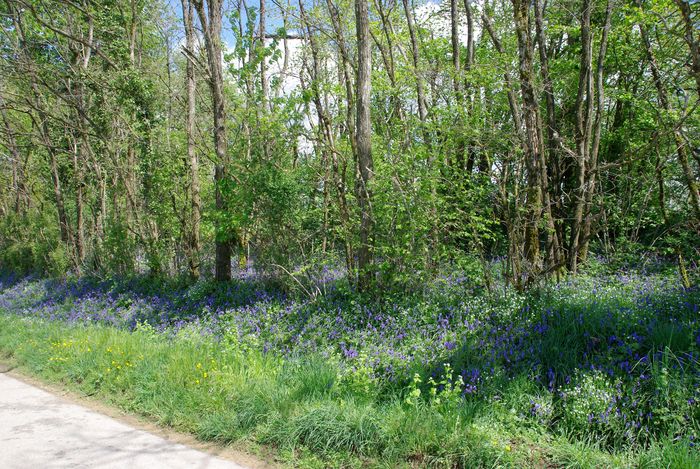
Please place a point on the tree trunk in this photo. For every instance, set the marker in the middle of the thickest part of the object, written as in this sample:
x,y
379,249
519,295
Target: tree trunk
x,y
193,235
582,132
554,255
210,20
264,83
81,144
470,34
415,57
21,195
388,58
533,146
460,143
592,168
364,143
454,39
79,212
659,170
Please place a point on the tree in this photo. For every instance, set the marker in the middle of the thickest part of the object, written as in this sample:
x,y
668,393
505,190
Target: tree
x,y
363,150
210,17
194,247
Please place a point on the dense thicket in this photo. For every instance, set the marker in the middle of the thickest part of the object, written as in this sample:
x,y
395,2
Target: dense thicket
x,y
391,137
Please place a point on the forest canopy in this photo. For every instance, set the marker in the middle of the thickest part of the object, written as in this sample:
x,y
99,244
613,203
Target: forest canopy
x,y
389,139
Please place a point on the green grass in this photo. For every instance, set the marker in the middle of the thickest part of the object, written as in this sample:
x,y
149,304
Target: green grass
x,y
299,409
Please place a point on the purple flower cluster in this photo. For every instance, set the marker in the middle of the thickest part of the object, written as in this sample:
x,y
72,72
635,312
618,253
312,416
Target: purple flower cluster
x,y
625,328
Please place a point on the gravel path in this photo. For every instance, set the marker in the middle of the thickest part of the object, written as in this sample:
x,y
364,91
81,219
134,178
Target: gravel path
x,y
41,430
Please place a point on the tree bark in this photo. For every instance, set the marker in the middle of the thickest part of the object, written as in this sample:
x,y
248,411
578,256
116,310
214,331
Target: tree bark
x,y
533,145
592,168
364,143
582,131
460,143
264,83
470,35
194,249
79,212
18,186
387,52
554,254
210,20
454,40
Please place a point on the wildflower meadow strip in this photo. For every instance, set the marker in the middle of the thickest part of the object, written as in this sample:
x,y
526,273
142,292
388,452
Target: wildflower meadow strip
x,y
608,357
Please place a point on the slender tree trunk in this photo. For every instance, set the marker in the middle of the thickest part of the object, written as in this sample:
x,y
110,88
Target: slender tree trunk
x,y
194,250
592,168
470,92
460,144
264,83
511,211
79,213
210,20
659,170
82,143
100,219
346,76
21,196
364,143
584,103
554,255
387,52
131,177
58,194
456,60
415,60
470,35
533,145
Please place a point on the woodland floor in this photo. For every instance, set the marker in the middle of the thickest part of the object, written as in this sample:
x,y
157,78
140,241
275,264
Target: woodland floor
x,y
597,371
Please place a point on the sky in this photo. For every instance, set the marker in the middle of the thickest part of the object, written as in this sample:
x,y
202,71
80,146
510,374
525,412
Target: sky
x,y
274,16
427,13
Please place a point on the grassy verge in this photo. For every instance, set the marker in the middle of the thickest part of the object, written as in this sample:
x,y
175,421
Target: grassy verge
x,y
222,393
600,371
